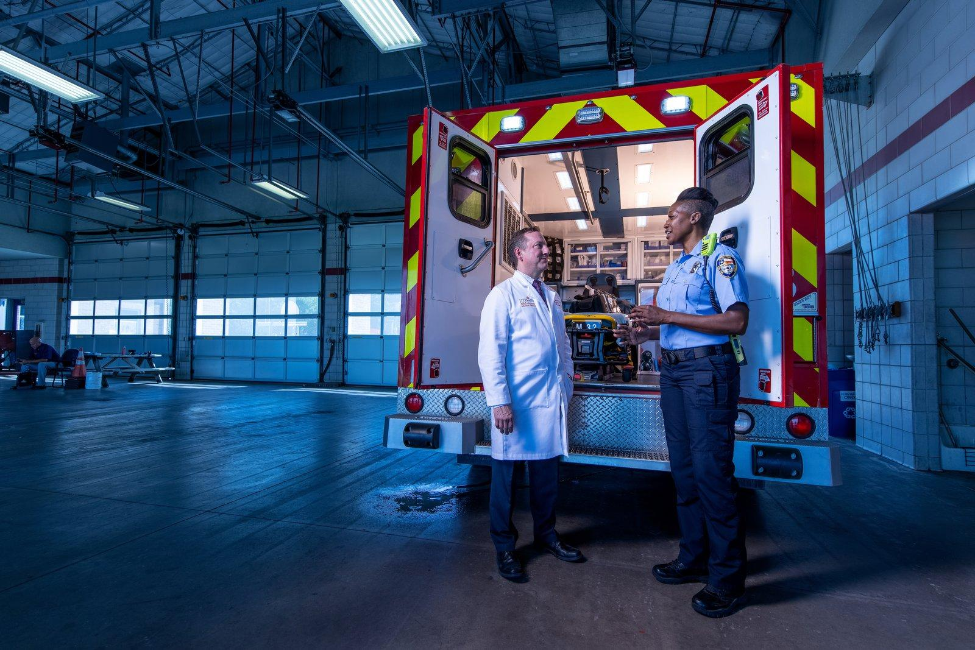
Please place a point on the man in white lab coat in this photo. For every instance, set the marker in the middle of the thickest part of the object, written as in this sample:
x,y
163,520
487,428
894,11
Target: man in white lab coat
x,y
526,368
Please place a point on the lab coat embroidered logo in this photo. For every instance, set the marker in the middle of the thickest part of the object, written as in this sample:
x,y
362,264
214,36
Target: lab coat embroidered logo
x,y
527,302
727,266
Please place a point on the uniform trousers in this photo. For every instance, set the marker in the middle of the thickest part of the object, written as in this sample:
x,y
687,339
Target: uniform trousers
x,y
699,400
543,482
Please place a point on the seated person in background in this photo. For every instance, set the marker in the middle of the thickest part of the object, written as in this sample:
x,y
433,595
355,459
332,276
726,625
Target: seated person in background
x,y
44,357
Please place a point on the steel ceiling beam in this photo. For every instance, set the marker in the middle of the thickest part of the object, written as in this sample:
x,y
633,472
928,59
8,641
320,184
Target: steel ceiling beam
x,y
215,20
13,21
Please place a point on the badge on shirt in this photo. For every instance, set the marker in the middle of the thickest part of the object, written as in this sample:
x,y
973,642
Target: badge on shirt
x,y
727,266
527,302
696,266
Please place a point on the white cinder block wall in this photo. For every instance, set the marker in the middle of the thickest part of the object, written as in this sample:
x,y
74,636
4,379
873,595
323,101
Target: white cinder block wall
x,y
40,283
922,128
840,331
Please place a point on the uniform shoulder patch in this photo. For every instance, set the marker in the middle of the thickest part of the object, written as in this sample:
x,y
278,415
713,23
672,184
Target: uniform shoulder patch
x,y
727,266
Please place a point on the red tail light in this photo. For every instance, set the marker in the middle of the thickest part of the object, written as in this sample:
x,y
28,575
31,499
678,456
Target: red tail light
x,y
414,403
800,425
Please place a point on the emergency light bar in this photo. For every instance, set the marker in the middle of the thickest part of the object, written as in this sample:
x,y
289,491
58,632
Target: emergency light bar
x,y
277,187
386,24
675,105
119,202
45,78
512,123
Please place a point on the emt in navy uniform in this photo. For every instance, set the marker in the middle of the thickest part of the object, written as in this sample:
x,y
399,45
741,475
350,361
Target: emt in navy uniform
x,y
699,387
526,367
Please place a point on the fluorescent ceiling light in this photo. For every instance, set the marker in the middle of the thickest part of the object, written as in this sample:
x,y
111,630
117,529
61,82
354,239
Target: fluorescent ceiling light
x,y
645,148
564,181
554,157
642,199
386,24
512,123
45,78
581,224
643,173
118,202
277,187
573,203
287,115
641,222
675,105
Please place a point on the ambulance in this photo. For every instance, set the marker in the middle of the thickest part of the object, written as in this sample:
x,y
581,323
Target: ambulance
x,y
596,174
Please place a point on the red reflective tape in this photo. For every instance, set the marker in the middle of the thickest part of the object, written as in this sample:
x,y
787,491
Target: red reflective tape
x,y
187,276
335,270
44,280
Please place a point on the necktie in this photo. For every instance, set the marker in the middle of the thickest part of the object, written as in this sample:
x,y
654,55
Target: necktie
x,y
538,287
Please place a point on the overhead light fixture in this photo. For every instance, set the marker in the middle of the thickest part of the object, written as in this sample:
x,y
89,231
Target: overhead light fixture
x,y
512,123
564,181
573,203
675,105
642,199
645,148
581,224
277,187
554,157
287,115
45,78
386,24
641,222
119,202
643,173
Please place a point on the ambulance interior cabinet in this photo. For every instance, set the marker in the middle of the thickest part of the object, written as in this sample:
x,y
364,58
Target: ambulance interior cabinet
x,y
585,258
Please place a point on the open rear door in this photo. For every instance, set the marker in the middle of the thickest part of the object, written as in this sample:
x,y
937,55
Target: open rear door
x,y
740,158
456,252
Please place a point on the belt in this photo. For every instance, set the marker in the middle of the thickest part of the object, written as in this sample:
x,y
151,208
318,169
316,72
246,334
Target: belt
x,y
687,354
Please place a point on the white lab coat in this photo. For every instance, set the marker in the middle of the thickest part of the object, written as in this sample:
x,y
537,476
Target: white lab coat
x,y
526,361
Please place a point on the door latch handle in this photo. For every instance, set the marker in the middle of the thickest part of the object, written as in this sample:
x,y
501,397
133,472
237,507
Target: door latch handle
x,y
464,270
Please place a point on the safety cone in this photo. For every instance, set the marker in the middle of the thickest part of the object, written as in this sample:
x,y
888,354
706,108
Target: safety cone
x,y
79,371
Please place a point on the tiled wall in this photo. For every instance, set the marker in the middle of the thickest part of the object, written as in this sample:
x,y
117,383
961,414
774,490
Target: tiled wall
x,y
840,331
919,145
40,283
954,262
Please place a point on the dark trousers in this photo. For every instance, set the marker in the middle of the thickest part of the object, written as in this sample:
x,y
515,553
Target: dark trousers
x,y
543,482
699,400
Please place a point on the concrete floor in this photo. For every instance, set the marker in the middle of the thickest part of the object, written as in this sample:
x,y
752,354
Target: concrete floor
x,y
216,515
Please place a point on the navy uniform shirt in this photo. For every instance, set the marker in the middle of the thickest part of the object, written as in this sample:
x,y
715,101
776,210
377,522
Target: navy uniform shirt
x,y
45,352
684,290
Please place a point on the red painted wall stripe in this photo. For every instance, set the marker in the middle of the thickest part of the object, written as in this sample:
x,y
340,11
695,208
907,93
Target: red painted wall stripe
x,y
335,270
45,280
930,122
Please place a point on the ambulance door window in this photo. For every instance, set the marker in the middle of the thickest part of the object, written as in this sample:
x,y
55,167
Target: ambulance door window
x,y
470,174
728,168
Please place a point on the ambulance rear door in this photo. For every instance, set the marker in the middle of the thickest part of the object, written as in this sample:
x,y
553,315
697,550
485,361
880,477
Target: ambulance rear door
x,y
458,251
739,158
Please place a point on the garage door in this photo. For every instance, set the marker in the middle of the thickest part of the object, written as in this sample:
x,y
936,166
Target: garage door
x,y
121,297
257,306
373,289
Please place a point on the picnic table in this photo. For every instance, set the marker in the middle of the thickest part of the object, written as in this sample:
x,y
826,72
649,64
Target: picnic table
x,y
130,364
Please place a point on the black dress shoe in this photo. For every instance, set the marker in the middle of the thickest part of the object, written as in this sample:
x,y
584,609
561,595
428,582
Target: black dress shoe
x,y
38,387
563,551
715,604
510,568
677,573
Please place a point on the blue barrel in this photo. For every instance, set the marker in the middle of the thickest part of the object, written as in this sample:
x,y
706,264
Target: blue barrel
x,y
842,403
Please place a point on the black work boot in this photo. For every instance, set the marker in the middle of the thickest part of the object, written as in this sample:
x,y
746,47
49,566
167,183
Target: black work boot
x,y
713,603
510,568
677,573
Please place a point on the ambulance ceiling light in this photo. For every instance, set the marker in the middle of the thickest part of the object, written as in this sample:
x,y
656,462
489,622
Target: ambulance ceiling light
x,y
386,24
675,105
564,181
513,124
554,157
643,173
573,203
645,148
642,199
119,202
641,222
45,78
581,224
277,187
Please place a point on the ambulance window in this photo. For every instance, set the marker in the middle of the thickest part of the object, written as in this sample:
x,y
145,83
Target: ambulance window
x,y
469,193
728,169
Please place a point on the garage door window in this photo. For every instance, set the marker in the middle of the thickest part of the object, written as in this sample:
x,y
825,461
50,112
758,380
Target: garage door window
x,y
373,314
126,317
267,316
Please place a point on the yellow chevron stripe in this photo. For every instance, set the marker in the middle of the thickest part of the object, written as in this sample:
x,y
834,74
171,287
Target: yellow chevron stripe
x,y
628,114
412,270
804,257
804,106
802,338
476,388
553,122
416,148
755,80
803,178
415,208
490,124
704,101
409,337
798,401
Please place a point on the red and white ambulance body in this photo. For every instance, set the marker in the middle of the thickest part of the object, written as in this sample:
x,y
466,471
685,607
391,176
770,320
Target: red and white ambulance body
x,y
755,139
